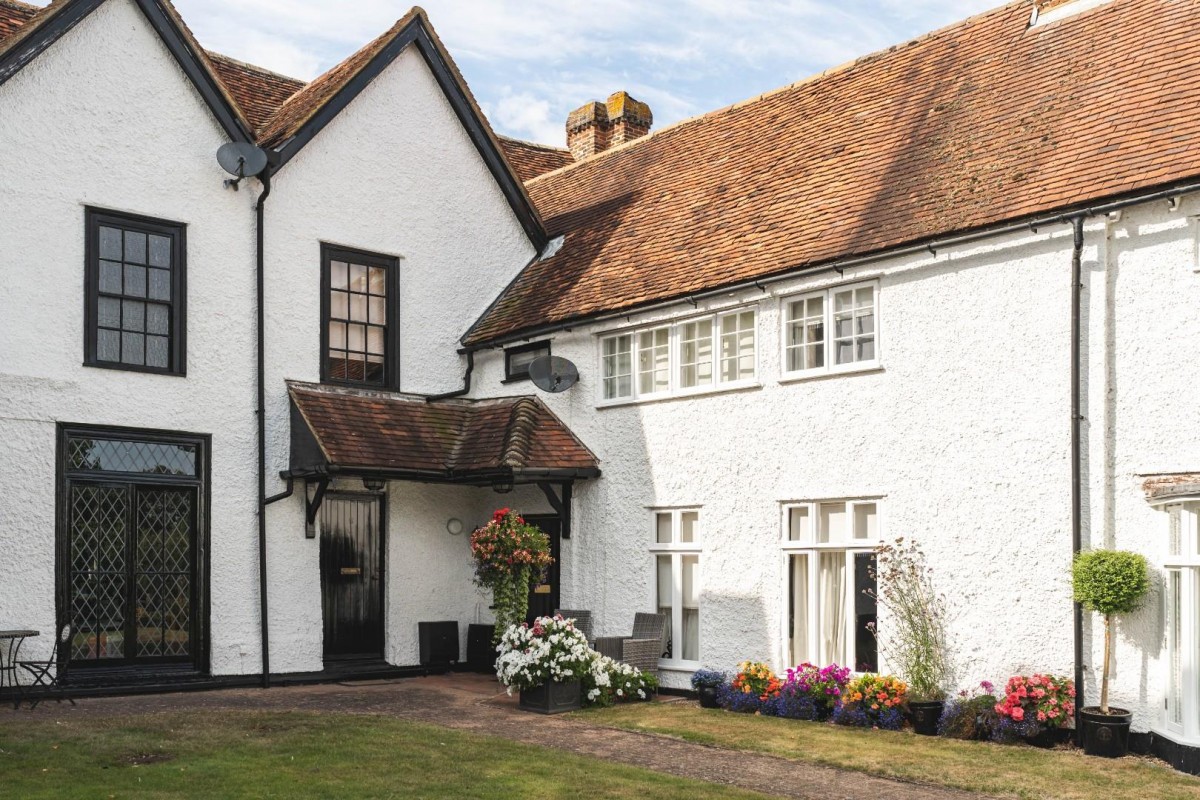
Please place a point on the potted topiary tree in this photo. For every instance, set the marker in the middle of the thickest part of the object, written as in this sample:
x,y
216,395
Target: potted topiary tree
x,y
916,643
1109,582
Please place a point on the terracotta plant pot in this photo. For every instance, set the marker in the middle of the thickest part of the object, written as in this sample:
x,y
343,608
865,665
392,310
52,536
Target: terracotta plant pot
x,y
1106,735
925,716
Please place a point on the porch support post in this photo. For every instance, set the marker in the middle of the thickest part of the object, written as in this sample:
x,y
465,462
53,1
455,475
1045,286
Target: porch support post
x,y
565,513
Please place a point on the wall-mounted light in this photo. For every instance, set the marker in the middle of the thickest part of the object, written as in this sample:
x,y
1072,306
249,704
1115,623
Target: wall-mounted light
x,y
373,484
454,526
503,486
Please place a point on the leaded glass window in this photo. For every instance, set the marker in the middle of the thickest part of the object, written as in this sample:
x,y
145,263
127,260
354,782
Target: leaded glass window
x,y
135,301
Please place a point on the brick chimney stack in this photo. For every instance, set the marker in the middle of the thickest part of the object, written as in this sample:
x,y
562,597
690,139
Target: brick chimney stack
x,y
594,127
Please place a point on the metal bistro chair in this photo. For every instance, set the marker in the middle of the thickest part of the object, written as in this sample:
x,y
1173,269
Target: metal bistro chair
x,y
50,675
583,620
643,648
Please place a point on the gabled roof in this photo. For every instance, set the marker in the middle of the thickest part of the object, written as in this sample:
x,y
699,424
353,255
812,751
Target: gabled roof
x,y
463,441
529,159
258,92
983,122
39,31
308,111
13,14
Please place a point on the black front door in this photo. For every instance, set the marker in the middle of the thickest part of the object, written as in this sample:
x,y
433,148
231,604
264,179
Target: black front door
x,y
543,597
352,575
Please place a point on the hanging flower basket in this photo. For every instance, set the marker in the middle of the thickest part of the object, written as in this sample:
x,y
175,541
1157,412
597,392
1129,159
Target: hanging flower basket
x,y
509,554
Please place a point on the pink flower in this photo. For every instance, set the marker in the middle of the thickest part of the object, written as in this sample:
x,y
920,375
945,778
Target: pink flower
x,y
1018,713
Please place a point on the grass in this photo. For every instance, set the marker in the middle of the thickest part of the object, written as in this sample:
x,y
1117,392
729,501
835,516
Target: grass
x,y
1007,770
296,755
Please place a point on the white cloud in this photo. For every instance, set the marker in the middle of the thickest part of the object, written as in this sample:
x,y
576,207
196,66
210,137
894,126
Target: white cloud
x,y
531,61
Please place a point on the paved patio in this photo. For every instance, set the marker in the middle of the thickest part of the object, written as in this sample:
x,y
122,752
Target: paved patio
x,y
477,703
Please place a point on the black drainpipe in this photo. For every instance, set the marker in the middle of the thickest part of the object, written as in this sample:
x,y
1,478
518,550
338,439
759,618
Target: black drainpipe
x,y
265,177
1076,455
466,382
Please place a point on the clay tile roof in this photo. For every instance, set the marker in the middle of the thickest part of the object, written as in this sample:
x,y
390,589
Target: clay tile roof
x,y
1168,486
258,92
530,160
309,100
13,14
982,122
462,440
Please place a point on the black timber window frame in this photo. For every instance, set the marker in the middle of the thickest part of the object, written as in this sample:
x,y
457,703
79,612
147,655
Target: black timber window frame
x,y
520,372
389,378
69,475
133,286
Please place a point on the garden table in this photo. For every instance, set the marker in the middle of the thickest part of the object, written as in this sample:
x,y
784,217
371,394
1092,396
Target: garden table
x,y
10,649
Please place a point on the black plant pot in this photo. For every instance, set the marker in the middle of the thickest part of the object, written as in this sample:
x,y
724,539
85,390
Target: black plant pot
x,y
708,696
925,716
1047,738
552,698
1106,735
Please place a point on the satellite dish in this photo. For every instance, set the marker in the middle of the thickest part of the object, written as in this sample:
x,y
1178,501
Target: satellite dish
x,y
553,374
241,159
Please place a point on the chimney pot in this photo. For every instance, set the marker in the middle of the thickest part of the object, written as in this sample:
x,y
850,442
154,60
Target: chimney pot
x,y
594,127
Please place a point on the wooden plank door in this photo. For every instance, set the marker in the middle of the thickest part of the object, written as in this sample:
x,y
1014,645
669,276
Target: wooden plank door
x,y
352,575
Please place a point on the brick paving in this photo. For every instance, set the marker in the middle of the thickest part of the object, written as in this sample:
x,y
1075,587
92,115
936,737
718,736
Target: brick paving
x,y
477,703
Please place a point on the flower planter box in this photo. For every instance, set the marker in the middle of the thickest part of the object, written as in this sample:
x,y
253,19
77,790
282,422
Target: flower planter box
x,y
925,716
552,698
1106,735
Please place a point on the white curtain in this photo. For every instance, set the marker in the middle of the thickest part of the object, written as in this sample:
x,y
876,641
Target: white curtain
x,y
690,646
831,577
664,596
799,652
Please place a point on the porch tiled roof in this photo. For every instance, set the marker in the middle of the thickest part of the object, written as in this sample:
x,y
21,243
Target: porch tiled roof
x,y
1176,484
445,439
980,123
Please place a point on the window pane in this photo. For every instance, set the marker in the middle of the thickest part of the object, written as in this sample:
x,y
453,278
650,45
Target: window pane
x,y
108,345
377,315
864,521
866,648
1175,634
337,335
135,247
664,585
866,350
356,337
160,284
798,608
133,315
832,526
358,278
378,281
135,281
157,319
695,354
663,527
689,523
338,275
358,307
133,346
690,645
845,352
110,243
375,340
799,524
110,277
654,354
157,352
108,312
831,587
160,251
616,365
339,305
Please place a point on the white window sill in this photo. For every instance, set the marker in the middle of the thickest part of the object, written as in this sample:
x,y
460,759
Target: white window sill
x,y
685,394
1177,738
678,666
811,375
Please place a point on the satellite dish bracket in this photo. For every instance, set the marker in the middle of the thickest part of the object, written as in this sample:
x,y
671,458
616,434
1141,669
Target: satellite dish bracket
x,y
241,173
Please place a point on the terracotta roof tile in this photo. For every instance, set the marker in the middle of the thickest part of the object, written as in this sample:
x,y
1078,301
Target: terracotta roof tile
x,y
985,121
258,92
448,438
13,14
529,160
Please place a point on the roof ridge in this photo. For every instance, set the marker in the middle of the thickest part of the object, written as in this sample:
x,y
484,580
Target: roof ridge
x,y
526,142
518,434
20,5
754,99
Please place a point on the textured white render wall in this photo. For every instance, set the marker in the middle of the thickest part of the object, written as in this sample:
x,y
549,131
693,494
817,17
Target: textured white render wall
x,y
105,117
395,174
964,431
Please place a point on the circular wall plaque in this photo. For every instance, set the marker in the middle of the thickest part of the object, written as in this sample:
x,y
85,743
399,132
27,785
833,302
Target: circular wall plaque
x,y
454,526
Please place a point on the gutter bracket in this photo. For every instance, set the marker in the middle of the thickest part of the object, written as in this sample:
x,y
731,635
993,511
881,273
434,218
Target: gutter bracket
x,y
313,504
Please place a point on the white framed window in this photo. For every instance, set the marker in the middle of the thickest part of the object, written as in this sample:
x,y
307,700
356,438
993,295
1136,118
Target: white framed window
x,y
675,549
1181,595
693,356
831,330
829,563
616,367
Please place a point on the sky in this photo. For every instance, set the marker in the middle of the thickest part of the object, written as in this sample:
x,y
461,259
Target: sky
x,y
530,62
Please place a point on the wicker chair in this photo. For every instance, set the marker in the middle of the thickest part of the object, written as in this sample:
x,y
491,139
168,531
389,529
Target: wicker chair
x,y
583,619
643,648
49,677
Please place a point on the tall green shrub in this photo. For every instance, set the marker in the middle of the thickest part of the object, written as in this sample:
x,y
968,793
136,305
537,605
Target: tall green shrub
x,y
1109,582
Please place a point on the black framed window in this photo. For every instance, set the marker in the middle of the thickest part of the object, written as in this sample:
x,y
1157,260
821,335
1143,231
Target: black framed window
x,y
517,359
359,319
135,315
132,569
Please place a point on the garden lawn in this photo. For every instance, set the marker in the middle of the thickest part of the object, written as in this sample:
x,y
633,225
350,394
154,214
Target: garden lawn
x,y
294,755
1011,770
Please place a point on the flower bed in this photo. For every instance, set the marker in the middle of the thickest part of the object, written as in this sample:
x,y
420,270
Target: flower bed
x,y
873,701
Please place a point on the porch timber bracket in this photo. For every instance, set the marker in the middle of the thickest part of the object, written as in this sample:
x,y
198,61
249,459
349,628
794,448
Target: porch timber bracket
x,y
560,504
313,505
